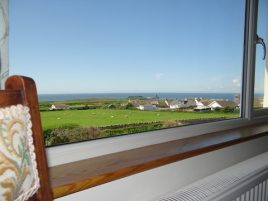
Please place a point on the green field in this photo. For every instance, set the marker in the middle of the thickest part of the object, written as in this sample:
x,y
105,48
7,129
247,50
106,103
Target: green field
x,y
105,117
98,120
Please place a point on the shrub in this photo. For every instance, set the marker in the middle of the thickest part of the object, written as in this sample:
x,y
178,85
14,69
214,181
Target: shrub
x,y
171,123
228,109
132,129
111,106
70,134
217,109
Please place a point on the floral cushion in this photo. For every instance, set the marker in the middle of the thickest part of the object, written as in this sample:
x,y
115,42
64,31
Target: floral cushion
x,y
18,172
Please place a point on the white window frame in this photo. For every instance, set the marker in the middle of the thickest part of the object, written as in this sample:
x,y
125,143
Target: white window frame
x,y
83,150
260,112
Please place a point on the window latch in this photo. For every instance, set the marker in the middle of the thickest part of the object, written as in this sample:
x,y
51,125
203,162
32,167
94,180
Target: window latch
x,y
260,41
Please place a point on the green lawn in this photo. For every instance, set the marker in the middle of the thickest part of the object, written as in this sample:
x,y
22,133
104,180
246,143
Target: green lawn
x,y
104,117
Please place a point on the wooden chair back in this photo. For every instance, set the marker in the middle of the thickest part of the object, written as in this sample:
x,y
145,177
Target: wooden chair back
x,y
22,90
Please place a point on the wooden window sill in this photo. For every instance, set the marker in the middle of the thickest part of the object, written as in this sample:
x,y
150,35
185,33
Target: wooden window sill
x,y
80,175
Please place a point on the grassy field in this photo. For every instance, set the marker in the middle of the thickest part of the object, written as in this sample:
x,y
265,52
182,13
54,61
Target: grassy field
x,y
105,117
95,118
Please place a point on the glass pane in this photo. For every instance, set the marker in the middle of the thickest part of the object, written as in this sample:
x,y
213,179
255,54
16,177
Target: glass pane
x,y
112,67
261,71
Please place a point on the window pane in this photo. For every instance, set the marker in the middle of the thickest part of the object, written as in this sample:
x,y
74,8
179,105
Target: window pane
x,y
111,67
261,71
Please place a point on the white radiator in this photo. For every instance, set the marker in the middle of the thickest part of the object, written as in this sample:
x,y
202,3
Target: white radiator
x,y
245,181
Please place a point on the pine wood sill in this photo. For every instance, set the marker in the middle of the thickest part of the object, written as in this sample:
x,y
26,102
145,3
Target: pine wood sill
x,y
80,175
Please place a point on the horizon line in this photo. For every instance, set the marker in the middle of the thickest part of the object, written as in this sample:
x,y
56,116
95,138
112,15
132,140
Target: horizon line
x,y
65,93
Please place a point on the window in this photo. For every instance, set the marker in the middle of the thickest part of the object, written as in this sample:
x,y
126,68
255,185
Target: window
x,y
119,67
261,86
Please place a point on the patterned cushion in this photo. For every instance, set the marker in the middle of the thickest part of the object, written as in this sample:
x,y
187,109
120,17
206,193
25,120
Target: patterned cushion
x,y
18,172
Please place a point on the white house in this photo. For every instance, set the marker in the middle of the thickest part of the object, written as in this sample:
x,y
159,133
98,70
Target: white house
x,y
59,107
189,102
176,104
222,103
202,107
202,104
166,102
147,107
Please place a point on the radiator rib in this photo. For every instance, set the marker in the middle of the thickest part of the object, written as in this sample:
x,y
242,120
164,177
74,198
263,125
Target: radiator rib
x,y
245,181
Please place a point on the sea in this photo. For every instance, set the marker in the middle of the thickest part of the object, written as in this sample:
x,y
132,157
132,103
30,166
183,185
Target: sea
x,y
74,96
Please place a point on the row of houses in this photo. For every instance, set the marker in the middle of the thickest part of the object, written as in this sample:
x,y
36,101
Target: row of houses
x,y
188,103
195,104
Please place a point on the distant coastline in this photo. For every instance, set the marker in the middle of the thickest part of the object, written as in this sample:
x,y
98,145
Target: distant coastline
x,y
63,97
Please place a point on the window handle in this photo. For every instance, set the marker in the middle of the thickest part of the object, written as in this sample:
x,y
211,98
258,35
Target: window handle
x,y
259,40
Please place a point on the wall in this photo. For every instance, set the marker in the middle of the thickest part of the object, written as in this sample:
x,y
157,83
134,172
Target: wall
x,y
151,184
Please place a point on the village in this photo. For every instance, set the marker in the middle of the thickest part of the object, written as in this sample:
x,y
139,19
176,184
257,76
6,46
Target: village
x,y
187,104
156,103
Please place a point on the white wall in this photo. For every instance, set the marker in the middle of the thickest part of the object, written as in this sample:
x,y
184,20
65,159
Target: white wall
x,y
214,105
151,184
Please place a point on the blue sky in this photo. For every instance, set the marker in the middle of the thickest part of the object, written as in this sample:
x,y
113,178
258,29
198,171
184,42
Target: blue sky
x,y
90,46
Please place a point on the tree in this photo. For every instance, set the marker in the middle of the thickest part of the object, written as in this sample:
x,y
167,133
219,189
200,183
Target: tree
x,y
129,106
